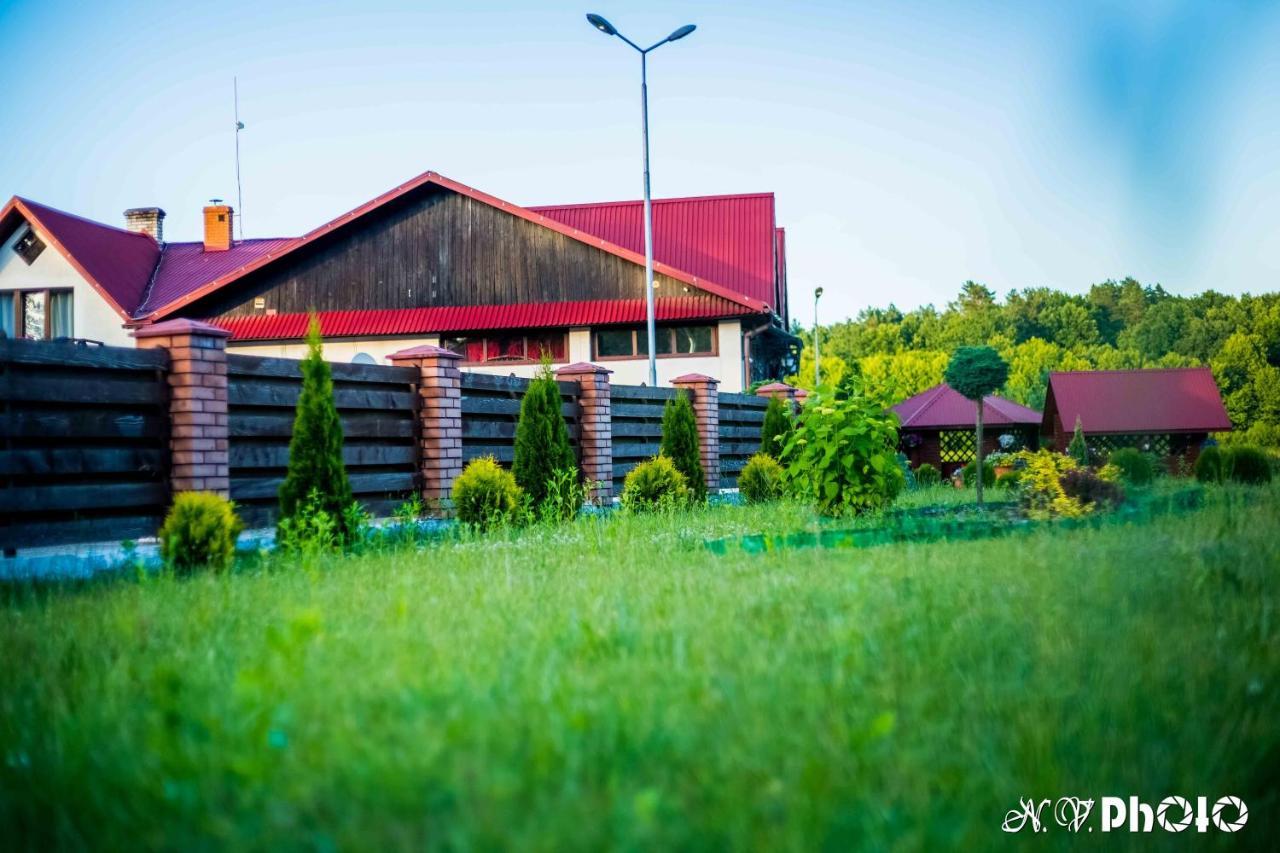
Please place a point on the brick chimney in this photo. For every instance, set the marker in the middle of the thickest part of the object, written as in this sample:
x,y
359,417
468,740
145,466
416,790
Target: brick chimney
x,y
146,220
217,226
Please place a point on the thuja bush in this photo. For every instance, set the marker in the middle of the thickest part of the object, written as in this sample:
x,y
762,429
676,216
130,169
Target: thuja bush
x,y
486,495
316,477
927,475
988,473
842,455
1135,466
1078,449
680,443
761,479
655,484
1247,465
542,449
776,427
1209,465
199,533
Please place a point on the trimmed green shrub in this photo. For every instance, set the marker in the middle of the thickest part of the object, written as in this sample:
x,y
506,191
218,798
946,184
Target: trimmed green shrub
x,y
975,372
199,533
485,494
1009,479
1089,489
316,473
988,473
542,440
1246,465
1078,449
842,454
927,475
776,427
1135,466
1209,465
761,479
680,443
655,484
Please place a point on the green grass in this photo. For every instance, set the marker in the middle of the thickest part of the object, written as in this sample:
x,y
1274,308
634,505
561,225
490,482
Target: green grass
x,y
614,684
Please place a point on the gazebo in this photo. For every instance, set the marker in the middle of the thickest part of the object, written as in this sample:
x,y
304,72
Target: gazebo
x,y
937,427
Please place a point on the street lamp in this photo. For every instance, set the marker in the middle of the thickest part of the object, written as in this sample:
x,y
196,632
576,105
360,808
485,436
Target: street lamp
x,y
608,29
817,355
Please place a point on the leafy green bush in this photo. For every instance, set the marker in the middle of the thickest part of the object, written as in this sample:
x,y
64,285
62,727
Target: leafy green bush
x,y
316,473
776,427
988,473
1009,479
1135,466
655,484
542,449
1089,489
566,494
199,532
842,453
927,475
680,443
1248,465
485,494
761,479
1209,465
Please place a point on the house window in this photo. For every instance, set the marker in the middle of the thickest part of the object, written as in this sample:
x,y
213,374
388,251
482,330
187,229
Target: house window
x,y
672,341
29,246
36,314
515,348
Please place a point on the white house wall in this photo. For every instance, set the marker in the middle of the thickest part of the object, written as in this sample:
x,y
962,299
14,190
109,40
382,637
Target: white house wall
x,y
92,316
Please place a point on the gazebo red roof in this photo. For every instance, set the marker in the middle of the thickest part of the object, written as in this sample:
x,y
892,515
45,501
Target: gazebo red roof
x,y
940,407
1166,400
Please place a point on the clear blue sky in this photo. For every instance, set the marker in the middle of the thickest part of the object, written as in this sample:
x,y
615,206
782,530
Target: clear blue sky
x,y
911,145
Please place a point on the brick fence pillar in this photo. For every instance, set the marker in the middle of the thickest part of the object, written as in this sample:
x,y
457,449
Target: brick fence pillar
x,y
595,434
198,442
440,415
706,406
789,394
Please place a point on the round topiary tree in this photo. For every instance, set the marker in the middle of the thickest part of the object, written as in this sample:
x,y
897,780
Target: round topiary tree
x,y
776,427
975,372
680,443
316,478
542,449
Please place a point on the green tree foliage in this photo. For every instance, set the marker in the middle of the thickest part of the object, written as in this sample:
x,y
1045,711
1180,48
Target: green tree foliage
x,y
655,485
761,479
199,533
1135,466
680,443
486,495
1078,449
1209,465
776,427
542,449
316,476
975,372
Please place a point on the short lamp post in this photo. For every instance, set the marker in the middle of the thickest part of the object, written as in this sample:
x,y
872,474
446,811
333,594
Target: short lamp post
x,y
608,29
817,353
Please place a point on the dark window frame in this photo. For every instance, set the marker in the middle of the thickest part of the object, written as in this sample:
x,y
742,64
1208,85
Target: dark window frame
x,y
29,246
449,341
637,352
19,300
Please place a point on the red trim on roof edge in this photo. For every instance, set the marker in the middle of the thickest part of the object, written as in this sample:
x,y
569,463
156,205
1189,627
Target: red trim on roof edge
x,y
449,184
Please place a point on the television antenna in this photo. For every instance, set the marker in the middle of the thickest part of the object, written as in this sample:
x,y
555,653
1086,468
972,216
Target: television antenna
x,y
235,91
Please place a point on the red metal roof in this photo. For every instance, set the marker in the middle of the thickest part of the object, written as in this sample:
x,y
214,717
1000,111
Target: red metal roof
x,y
728,239
185,267
746,304
473,318
1184,399
117,263
942,408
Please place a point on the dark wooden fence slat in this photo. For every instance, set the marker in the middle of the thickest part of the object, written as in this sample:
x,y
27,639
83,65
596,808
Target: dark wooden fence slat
x,y
74,388
81,497
499,406
66,461
289,368
109,529
636,410
277,425
641,429
641,392
379,483
276,455
285,396
66,354
80,424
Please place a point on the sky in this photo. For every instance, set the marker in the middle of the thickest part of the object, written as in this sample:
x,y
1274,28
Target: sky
x,y
911,145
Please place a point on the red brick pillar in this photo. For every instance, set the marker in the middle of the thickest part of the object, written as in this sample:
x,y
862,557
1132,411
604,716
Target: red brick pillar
x,y
779,389
706,406
595,436
440,412
198,442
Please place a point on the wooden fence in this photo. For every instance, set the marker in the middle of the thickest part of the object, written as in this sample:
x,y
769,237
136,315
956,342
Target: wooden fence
x,y
490,409
84,432
741,418
377,405
636,426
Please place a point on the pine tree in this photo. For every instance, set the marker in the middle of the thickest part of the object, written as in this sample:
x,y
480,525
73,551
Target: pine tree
x,y
542,440
315,449
1078,449
680,442
776,427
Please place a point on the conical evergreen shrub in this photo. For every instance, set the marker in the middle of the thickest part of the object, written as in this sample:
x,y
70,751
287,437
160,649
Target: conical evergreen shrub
x,y
680,442
1077,449
776,427
315,449
542,439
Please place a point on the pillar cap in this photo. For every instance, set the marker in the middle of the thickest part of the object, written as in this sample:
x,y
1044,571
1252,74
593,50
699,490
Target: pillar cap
x,y
775,387
181,326
694,378
423,351
580,367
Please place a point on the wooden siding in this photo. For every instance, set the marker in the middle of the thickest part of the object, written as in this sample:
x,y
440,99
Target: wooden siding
x,y
434,248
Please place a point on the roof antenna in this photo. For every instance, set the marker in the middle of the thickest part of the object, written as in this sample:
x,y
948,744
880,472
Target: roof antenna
x,y
235,89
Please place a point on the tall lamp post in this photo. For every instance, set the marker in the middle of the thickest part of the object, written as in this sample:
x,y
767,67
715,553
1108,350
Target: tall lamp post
x,y
608,29
817,354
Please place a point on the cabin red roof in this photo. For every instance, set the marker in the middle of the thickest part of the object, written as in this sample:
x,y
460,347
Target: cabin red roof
x,y
1153,401
940,407
473,318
